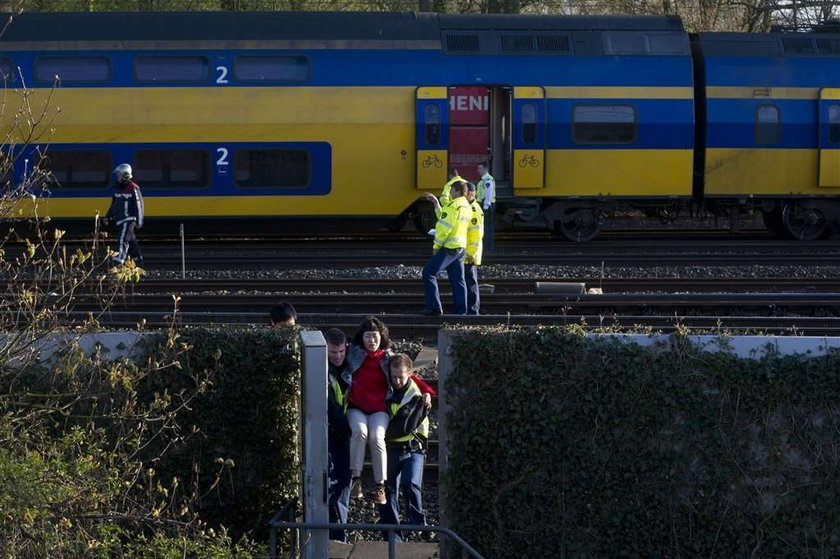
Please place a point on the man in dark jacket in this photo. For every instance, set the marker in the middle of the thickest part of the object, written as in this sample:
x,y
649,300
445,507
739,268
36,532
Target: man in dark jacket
x,y
126,213
338,443
406,440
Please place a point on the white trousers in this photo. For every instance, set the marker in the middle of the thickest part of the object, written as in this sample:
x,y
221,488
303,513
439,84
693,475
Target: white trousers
x,y
368,428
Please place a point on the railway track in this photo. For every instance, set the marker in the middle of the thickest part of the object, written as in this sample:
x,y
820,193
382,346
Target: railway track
x,y
609,285
614,251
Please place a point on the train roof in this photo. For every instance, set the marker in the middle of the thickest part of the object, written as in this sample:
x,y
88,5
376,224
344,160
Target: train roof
x,y
774,45
199,26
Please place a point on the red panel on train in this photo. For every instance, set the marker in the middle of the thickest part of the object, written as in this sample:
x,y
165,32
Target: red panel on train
x,y
468,148
469,106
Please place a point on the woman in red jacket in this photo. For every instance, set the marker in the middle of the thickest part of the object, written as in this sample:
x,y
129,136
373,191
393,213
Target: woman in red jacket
x,y
367,376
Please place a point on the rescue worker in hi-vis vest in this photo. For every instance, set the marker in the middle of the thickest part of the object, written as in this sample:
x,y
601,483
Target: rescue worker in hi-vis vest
x,y
338,429
472,261
449,250
406,441
486,196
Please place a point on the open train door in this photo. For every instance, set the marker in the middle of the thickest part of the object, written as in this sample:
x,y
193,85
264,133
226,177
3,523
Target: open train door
x,y
431,137
529,138
829,138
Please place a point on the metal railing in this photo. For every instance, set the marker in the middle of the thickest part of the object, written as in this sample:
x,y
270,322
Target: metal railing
x,y
391,529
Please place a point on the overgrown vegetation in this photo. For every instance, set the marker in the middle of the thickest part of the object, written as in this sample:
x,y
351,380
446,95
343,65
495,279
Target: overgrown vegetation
x,y
584,448
187,451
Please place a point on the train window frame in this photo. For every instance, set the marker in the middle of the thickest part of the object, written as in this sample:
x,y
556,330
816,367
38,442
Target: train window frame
x,y
235,74
235,169
40,59
107,169
529,124
162,185
205,77
833,124
7,64
635,122
759,137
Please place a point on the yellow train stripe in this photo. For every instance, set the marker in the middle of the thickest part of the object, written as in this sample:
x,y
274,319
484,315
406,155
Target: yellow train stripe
x,y
528,92
611,92
719,92
762,171
830,93
618,172
222,45
199,114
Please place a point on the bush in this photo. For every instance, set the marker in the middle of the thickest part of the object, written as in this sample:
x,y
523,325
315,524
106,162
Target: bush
x,y
190,449
566,446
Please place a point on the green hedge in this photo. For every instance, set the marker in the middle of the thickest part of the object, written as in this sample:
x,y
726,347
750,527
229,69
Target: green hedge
x,y
187,451
563,446
241,445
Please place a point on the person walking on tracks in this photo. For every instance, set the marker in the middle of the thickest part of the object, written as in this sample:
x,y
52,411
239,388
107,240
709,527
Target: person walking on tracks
x,y
126,213
448,252
472,261
406,439
486,196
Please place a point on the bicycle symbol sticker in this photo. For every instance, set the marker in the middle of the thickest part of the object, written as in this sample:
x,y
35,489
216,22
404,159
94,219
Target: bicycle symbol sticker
x,y
432,161
529,160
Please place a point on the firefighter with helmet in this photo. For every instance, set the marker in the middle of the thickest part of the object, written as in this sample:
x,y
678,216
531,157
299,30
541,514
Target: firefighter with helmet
x,y
126,214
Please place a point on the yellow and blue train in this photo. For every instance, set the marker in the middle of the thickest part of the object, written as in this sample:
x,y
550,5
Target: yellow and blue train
x,y
307,119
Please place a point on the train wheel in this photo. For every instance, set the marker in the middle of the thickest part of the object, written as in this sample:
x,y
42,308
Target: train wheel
x,y
424,217
773,222
579,225
804,223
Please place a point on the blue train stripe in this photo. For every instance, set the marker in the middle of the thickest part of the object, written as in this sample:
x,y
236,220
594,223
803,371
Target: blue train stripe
x,y
731,123
773,72
221,160
404,68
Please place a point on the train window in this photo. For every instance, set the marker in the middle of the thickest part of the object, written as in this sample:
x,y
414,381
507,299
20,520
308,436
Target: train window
x,y
72,69
271,168
529,123
604,124
6,70
767,125
78,169
431,120
271,68
175,168
171,68
834,124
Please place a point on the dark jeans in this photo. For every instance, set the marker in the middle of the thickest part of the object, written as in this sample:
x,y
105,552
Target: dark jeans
x,y
451,260
489,228
473,297
339,492
128,244
405,475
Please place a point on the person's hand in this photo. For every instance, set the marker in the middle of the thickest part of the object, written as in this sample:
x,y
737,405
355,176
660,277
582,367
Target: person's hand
x,y
427,400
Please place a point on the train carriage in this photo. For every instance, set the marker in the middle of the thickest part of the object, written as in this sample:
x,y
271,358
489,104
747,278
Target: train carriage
x,y
341,120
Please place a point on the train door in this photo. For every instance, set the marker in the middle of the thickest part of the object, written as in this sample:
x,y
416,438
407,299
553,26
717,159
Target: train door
x,y
469,129
529,138
431,137
829,138
479,131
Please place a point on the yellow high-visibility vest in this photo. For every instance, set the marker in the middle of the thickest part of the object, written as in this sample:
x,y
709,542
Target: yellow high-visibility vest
x,y
453,222
411,392
475,234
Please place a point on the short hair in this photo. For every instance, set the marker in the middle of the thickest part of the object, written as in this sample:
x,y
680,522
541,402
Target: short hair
x,y
334,336
453,172
282,312
372,324
484,164
399,359
460,187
